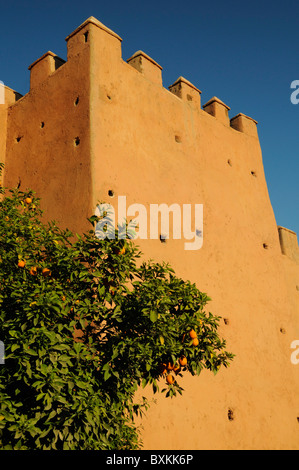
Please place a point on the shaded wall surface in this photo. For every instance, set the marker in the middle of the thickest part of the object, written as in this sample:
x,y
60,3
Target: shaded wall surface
x,y
98,125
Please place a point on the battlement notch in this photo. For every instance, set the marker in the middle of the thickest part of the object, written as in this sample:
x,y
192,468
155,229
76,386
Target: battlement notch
x,y
43,67
289,243
218,109
185,90
245,124
93,31
7,95
147,66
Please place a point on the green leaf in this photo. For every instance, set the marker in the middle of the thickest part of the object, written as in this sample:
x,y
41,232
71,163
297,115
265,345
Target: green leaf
x,y
81,384
52,414
153,316
31,352
106,375
101,290
144,383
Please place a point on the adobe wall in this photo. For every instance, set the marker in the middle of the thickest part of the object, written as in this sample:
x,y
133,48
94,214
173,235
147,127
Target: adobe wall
x,y
3,129
7,97
155,146
158,145
47,141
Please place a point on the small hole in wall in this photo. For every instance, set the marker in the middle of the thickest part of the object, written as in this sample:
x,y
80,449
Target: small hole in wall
x,y
230,414
282,330
178,139
85,36
265,246
226,321
109,97
253,173
229,162
77,141
110,193
189,97
297,419
18,138
163,238
76,102
42,125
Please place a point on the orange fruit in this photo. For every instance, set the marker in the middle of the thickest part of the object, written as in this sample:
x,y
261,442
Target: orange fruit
x,y
46,272
183,361
21,264
195,342
28,200
121,252
193,334
170,366
170,379
177,369
33,270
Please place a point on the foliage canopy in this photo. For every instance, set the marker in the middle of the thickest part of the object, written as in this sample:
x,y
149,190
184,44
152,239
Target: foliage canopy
x,y
85,323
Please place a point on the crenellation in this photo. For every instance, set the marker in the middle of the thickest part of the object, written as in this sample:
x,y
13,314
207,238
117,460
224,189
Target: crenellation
x,y
78,41
86,34
218,109
289,243
186,91
43,67
86,25
11,96
147,66
245,124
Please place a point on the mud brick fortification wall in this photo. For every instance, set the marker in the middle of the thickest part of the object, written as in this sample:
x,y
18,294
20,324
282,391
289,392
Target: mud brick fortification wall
x,y
97,124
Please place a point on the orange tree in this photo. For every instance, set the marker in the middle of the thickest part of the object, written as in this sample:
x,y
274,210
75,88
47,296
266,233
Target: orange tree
x,y
85,323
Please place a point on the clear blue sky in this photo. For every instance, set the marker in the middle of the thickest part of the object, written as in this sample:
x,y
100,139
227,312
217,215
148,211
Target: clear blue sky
x,y
245,53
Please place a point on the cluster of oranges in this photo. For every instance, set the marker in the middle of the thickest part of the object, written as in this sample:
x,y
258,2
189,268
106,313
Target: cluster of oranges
x,y
176,368
46,272
170,367
194,338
